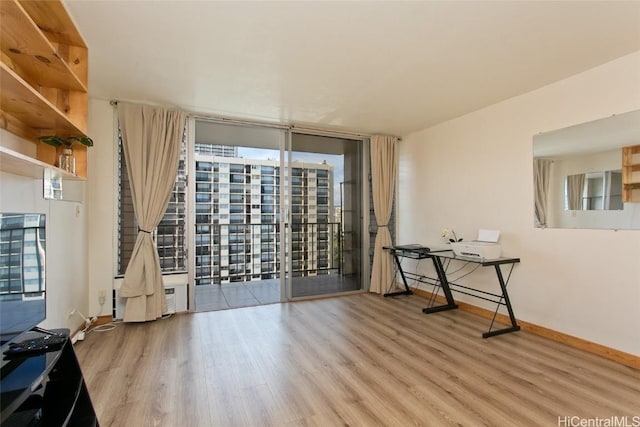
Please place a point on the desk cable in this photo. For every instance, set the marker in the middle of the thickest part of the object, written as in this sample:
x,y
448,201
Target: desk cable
x,y
446,266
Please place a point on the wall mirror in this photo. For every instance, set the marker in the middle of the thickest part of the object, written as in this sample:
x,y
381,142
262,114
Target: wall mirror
x,y
578,175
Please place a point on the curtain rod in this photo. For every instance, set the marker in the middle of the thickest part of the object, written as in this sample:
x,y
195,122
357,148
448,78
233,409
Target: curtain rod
x,y
237,121
292,127
334,133
328,132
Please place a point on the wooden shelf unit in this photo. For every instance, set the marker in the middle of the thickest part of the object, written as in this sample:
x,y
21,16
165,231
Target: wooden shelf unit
x,y
43,78
20,164
631,174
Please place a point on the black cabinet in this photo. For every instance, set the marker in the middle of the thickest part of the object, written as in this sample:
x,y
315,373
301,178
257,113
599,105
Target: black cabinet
x,y
45,389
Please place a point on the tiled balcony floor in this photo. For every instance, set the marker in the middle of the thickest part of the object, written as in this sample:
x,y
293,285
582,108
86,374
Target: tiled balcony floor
x,y
245,294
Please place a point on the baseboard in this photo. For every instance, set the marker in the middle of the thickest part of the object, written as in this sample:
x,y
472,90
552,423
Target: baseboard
x,y
591,347
103,320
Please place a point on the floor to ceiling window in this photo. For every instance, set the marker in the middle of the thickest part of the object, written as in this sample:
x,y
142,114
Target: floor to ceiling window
x,y
264,215
236,223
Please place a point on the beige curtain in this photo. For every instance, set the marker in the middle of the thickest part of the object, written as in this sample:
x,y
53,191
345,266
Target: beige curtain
x,y
151,143
541,174
575,188
383,174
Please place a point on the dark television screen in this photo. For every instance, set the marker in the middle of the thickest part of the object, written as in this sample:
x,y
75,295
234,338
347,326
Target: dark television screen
x,y
22,273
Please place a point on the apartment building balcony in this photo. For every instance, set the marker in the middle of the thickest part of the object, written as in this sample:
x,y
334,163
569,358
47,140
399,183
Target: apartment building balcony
x,y
309,241
248,274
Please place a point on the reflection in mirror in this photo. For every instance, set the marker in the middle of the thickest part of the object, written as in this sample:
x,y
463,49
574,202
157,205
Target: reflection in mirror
x,y
52,184
594,191
578,178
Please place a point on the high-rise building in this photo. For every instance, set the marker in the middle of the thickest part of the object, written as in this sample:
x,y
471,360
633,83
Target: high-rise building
x,y
237,219
216,150
237,210
22,260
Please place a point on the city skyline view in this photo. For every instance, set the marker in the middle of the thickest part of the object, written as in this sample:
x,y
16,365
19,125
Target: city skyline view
x,y
237,208
336,161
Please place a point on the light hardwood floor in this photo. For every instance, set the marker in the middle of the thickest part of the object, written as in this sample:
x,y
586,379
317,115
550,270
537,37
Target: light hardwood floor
x,y
359,360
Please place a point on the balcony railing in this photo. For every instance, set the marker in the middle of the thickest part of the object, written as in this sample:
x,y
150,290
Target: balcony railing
x,y
316,249
243,252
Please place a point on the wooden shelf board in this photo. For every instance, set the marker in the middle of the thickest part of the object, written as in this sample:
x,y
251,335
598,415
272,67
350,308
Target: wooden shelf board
x,y
20,164
22,102
25,44
54,19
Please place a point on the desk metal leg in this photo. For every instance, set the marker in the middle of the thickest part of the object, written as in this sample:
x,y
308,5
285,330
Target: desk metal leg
x,y
514,324
442,277
406,291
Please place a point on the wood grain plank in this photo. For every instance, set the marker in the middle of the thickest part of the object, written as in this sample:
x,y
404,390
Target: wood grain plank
x,y
27,46
357,360
600,350
31,108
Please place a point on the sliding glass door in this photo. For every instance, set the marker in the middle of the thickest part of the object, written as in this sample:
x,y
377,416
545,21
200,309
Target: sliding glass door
x,y
276,215
325,215
236,197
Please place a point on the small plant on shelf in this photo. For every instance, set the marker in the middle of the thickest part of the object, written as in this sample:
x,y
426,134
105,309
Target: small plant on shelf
x,y
66,160
67,142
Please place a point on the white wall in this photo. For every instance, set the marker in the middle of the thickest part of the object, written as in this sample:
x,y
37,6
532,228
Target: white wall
x,y
102,190
476,172
66,269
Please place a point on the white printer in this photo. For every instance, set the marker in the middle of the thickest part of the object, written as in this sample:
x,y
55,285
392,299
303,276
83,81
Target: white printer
x,y
486,246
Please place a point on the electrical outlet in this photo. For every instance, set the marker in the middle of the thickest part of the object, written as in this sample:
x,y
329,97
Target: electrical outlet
x,y
102,297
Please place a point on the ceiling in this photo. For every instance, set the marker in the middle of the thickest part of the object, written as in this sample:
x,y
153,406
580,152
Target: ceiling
x,y
373,67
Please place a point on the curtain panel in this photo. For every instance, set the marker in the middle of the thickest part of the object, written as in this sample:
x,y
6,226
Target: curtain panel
x,y
151,139
541,176
383,176
575,189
